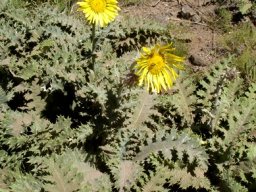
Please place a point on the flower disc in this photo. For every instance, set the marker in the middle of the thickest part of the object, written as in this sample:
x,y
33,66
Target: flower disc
x,y
156,67
99,12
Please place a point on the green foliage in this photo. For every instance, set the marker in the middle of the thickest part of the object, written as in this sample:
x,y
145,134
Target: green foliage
x,y
66,127
188,161
183,143
222,112
241,42
232,12
224,19
77,176
131,34
243,6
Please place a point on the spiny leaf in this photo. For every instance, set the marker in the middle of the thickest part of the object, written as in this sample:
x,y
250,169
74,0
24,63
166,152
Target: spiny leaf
x,y
181,143
182,100
185,179
26,183
232,184
242,116
125,174
76,176
142,110
157,180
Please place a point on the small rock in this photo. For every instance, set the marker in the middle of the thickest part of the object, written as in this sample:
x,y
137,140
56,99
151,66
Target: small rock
x,y
196,18
186,12
196,60
203,2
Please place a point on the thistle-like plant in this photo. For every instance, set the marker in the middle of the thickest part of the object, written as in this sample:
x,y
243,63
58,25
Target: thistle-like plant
x,y
55,110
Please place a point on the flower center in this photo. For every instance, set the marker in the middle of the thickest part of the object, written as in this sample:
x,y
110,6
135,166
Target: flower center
x,y
156,64
98,6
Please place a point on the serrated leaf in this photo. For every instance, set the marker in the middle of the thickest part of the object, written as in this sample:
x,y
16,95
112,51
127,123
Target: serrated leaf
x,y
187,180
182,143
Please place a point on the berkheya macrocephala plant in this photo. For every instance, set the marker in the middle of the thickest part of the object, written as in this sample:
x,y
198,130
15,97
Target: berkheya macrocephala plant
x,y
58,109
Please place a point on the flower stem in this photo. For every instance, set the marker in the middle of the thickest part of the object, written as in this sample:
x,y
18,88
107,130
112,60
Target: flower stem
x,y
93,39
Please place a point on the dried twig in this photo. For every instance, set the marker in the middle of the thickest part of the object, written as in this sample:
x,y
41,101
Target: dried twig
x,y
155,4
192,22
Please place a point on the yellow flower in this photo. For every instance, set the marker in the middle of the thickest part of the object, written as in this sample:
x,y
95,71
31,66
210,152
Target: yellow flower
x,y
156,67
99,12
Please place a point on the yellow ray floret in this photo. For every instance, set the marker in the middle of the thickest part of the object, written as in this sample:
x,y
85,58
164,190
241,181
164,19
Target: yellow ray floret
x,y
99,12
156,67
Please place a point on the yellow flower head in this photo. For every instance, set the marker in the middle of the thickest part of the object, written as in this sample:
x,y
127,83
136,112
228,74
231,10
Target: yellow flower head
x,y
99,12
156,67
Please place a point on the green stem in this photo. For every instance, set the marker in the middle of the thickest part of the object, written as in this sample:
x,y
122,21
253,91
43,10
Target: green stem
x,y
93,45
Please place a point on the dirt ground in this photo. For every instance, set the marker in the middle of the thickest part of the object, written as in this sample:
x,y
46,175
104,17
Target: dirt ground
x,y
191,21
